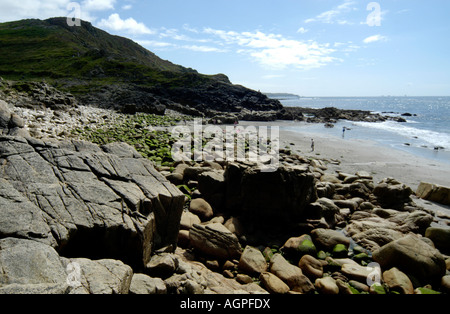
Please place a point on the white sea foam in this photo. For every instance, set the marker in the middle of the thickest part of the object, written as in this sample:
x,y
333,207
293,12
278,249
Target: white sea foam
x,y
429,137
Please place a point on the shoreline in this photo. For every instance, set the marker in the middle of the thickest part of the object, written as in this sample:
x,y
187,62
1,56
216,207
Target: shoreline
x,y
353,154
363,155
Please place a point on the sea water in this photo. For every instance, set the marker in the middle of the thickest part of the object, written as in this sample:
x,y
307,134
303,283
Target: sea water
x,y
426,132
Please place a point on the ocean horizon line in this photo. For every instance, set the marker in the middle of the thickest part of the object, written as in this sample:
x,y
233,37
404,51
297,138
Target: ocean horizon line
x,y
379,96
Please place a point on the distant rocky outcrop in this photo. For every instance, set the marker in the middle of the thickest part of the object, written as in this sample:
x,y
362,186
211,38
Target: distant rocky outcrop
x,y
114,72
99,69
332,115
36,95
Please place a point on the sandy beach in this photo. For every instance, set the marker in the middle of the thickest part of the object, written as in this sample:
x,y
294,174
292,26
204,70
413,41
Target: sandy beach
x,y
353,154
357,155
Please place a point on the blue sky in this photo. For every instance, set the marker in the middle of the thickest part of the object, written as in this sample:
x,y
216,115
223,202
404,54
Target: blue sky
x,y
305,47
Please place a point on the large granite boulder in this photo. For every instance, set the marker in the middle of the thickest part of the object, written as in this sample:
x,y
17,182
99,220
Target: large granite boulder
x,y
381,226
86,201
31,267
435,193
279,197
440,238
392,194
413,256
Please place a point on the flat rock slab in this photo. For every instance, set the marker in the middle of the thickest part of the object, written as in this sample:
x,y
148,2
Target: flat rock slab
x,y
85,200
30,267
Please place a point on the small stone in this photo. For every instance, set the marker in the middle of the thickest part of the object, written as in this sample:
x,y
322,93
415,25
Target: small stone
x,y
327,285
229,265
350,179
143,284
201,208
215,240
423,290
356,272
366,206
268,253
344,287
162,266
300,246
183,238
175,178
213,265
235,225
361,257
398,281
311,267
327,238
377,288
193,288
322,255
440,238
227,274
364,175
340,251
359,286
290,274
244,279
188,219
252,261
445,284
273,284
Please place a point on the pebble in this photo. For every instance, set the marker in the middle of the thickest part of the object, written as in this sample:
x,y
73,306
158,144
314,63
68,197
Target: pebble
x,y
327,285
311,267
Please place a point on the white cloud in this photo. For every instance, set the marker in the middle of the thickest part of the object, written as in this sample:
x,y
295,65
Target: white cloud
x,y
130,25
17,10
276,52
173,34
272,76
127,7
188,28
403,11
331,16
98,5
44,9
154,43
302,30
202,48
374,38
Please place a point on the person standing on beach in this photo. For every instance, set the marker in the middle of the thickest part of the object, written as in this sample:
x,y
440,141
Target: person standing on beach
x,y
312,145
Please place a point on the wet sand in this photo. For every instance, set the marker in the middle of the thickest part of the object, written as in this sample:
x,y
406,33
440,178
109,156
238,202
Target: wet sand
x,y
360,155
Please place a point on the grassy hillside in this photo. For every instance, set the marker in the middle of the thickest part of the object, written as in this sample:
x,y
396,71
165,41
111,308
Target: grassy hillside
x,y
110,70
50,49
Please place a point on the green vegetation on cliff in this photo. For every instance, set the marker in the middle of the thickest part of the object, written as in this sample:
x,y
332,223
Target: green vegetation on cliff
x,y
113,72
52,50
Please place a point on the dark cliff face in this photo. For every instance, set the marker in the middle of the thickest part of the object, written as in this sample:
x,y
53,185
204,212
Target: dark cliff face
x,y
112,71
